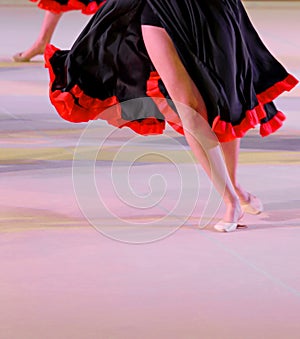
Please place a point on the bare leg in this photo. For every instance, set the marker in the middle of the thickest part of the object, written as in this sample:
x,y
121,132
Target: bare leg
x,y
250,203
231,154
192,113
49,24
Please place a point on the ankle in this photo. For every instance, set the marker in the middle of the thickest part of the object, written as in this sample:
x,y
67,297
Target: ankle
x,y
242,194
232,200
233,210
40,48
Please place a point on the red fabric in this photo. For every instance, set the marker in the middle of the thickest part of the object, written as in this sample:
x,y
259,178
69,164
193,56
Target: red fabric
x,y
154,92
274,91
272,125
55,7
109,110
92,108
226,132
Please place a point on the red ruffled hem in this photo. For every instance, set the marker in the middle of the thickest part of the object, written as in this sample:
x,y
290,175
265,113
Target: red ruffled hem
x,y
55,7
161,102
88,108
225,131
274,91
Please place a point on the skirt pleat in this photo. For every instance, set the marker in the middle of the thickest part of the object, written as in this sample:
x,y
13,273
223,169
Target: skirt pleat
x,y
234,71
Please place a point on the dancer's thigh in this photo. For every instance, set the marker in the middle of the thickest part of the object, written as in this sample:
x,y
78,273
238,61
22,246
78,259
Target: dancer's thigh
x,y
167,62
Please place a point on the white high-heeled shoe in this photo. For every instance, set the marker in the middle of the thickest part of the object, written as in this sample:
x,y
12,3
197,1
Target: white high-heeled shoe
x,y
253,205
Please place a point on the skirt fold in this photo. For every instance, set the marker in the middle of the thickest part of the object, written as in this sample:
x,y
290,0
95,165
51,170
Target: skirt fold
x,y
108,65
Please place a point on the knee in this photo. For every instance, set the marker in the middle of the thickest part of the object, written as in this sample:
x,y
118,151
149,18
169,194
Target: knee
x,y
190,113
191,107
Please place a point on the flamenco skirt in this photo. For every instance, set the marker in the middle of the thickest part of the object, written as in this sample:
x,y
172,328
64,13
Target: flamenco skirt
x,y
59,6
108,65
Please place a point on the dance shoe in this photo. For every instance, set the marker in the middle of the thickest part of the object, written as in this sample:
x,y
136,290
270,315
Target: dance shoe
x,y
253,205
225,226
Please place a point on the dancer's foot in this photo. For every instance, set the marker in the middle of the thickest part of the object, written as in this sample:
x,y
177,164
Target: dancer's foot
x,y
252,205
231,219
19,58
249,202
29,54
223,226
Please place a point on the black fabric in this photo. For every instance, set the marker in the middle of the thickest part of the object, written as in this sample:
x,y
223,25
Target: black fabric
x,y
222,53
148,17
215,40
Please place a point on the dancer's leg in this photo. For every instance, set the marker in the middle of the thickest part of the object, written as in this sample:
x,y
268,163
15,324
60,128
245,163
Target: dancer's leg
x,y
231,155
197,131
250,203
48,27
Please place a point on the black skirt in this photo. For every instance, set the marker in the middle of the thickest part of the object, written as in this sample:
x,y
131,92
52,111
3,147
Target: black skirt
x,y
59,6
108,64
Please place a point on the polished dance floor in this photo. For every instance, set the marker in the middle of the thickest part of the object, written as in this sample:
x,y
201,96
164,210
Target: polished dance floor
x,y
104,234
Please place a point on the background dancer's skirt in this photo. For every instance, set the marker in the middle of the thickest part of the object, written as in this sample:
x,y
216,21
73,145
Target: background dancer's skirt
x,y
108,64
58,6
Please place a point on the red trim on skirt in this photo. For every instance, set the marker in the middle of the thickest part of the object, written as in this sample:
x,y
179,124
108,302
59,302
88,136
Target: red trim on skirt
x,y
72,5
109,110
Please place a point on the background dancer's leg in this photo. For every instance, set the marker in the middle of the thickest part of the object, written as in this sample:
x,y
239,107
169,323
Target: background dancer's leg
x,y
48,27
